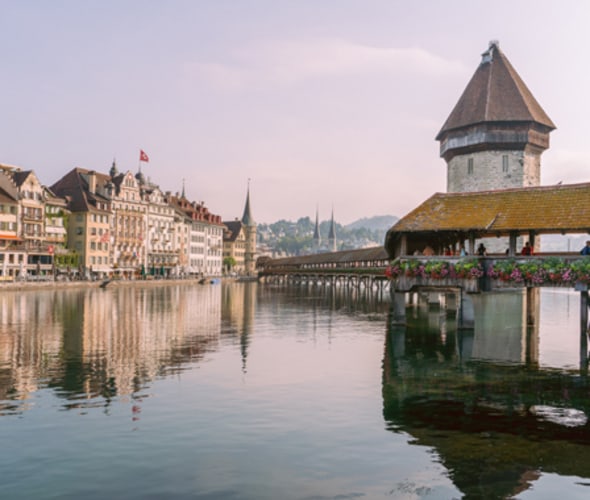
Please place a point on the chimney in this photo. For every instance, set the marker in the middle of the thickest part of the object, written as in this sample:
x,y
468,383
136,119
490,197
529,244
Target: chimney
x,y
92,182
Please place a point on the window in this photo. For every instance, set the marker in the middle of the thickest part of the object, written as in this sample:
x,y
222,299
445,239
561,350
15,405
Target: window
x,y
504,163
470,166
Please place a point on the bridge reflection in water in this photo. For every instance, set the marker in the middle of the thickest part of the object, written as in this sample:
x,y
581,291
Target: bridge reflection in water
x,y
480,398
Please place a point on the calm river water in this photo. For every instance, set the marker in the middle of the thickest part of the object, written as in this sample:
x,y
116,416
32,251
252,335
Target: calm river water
x,y
243,391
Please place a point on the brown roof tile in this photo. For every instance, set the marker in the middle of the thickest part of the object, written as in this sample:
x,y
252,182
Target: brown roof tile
x,y
495,93
545,209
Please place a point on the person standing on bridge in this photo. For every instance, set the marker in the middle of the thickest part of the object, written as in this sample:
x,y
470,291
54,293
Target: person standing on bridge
x,y
586,249
527,249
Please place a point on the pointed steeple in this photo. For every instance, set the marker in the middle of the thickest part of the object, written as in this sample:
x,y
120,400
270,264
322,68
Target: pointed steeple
x,y
247,218
495,93
317,238
332,232
183,194
497,131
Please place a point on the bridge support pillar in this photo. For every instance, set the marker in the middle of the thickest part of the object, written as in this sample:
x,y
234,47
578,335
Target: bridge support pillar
x,y
398,300
584,304
452,304
532,305
466,311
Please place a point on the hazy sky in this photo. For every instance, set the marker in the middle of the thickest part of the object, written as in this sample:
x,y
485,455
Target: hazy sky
x,y
328,103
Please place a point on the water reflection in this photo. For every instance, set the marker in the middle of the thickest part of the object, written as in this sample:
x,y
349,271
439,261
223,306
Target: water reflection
x,y
496,419
91,345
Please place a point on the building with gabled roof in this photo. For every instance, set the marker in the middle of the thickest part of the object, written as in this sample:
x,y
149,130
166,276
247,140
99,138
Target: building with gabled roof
x,y
203,249
497,131
90,222
239,241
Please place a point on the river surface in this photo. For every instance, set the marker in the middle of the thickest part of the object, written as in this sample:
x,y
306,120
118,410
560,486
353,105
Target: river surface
x,y
244,391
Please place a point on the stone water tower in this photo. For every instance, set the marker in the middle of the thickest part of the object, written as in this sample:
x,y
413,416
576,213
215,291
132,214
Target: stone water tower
x,y
497,131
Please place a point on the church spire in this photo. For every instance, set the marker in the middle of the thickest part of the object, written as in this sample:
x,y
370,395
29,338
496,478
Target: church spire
x,y
317,238
332,233
247,218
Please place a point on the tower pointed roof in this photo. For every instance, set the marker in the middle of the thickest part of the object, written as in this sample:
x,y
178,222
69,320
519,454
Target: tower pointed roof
x,y
316,231
332,232
495,93
247,218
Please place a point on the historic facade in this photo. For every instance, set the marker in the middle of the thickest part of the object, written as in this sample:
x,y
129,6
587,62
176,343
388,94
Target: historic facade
x,y
497,131
239,242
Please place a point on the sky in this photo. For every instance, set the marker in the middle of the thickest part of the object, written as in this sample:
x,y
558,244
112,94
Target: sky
x,y
315,104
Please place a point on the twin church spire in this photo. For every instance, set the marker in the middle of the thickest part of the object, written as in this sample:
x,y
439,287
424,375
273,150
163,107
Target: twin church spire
x,y
317,237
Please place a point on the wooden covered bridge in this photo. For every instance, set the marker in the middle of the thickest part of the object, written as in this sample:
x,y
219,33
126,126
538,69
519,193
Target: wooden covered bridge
x,y
365,268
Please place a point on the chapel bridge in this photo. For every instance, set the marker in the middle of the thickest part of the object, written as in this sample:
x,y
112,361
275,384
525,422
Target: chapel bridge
x,y
373,268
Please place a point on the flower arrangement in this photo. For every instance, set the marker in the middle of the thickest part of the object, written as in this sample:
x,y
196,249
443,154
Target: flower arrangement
x,y
551,270
537,272
435,269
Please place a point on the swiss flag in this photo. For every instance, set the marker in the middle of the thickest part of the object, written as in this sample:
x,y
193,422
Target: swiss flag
x,y
143,156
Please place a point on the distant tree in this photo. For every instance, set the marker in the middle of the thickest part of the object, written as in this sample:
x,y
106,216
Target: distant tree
x,y
228,263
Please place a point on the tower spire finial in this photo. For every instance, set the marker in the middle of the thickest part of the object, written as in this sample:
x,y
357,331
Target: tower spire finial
x,y
247,218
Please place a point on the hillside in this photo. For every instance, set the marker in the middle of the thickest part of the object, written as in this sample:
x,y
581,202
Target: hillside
x,y
286,238
376,223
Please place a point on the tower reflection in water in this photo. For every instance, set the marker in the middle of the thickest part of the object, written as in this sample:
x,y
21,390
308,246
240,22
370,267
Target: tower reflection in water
x,y
479,398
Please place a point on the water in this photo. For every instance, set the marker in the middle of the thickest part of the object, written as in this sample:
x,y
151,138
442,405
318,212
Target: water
x,y
243,391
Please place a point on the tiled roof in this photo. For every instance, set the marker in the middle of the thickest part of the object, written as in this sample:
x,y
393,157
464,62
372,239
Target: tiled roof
x,y
6,198
234,227
545,209
341,257
20,176
495,93
75,185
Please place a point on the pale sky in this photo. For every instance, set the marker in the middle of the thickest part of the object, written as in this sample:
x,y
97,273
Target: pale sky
x,y
331,103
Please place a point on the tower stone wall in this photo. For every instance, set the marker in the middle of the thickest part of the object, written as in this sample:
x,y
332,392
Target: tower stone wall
x,y
493,169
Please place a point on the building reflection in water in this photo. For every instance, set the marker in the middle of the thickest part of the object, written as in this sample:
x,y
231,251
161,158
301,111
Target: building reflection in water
x,y
478,397
90,345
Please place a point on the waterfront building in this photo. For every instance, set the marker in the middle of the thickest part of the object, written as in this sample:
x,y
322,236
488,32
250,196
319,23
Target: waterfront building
x,y
128,222
497,131
160,247
90,222
56,235
204,242
239,241
10,255
26,244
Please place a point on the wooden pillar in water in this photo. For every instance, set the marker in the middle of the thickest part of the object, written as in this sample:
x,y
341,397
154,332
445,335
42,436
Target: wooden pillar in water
x,y
532,305
467,312
398,300
584,330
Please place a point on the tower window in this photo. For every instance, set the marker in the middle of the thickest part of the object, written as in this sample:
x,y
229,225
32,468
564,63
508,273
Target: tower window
x,y
470,166
504,163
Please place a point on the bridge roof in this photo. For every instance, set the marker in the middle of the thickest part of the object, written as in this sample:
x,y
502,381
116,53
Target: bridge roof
x,y
543,209
342,257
